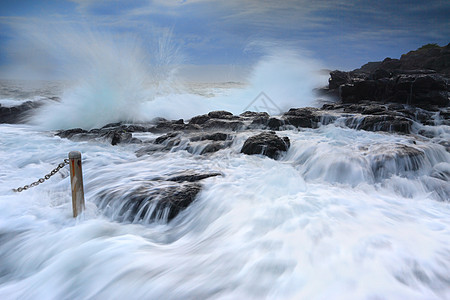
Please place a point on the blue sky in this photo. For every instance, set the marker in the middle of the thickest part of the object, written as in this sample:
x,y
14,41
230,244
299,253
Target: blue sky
x,y
341,34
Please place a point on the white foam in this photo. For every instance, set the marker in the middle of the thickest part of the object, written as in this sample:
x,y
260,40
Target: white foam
x,y
263,230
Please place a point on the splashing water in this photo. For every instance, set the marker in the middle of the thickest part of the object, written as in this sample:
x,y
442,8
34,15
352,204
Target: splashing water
x,y
108,78
340,216
114,78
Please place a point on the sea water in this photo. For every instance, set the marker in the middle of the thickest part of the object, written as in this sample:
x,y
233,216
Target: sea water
x,y
336,217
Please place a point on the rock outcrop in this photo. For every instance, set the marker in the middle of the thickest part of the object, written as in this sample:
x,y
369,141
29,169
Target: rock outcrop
x,y
266,143
419,78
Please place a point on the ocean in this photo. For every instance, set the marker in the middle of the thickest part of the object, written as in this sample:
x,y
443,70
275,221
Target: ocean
x,y
331,219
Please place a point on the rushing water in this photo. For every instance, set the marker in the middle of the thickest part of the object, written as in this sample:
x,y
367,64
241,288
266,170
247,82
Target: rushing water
x,y
341,216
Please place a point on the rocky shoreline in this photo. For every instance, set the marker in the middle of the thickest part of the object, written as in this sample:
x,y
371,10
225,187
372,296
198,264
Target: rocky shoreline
x,y
407,96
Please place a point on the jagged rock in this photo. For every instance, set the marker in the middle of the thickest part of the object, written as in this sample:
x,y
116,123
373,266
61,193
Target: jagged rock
x,y
220,114
385,123
266,143
214,147
162,138
254,114
70,132
302,117
222,124
117,137
274,123
419,78
217,136
338,78
199,119
259,121
113,135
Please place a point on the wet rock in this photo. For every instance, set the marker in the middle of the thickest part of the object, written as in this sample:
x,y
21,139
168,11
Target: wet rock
x,y
266,143
338,78
372,109
275,124
149,202
18,114
418,78
191,176
163,138
386,123
199,119
214,147
302,117
217,136
112,125
395,159
160,199
222,124
259,121
254,114
71,132
220,114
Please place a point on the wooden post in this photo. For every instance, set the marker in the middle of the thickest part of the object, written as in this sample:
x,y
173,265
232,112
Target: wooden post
x,y
76,181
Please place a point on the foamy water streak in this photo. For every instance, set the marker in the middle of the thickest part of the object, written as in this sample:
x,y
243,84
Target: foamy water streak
x,y
288,229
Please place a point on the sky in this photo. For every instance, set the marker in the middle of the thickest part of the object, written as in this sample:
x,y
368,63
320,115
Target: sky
x,y
340,34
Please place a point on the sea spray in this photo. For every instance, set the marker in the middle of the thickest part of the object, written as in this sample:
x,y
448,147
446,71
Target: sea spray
x,y
108,77
112,78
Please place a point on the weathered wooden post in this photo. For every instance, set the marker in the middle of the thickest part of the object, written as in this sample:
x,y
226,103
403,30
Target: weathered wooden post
x,y
76,181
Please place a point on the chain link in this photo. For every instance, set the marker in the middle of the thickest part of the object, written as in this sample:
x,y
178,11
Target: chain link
x,y
46,177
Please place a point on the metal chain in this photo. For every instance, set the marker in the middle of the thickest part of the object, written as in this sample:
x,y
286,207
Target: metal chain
x,y
46,177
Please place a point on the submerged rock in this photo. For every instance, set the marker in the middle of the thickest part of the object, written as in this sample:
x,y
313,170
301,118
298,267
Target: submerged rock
x,y
394,159
149,203
266,143
192,176
160,199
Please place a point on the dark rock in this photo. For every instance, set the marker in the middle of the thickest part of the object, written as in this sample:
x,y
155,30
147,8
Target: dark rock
x,y
117,137
380,73
275,124
191,176
418,78
134,128
302,117
338,78
329,106
372,109
162,138
199,119
169,140
149,202
385,123
368,67
217,136
254,114
363,90
213,147
266,143
222,124
18,114
220,114
259,121
70,132
111,125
